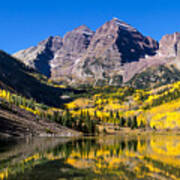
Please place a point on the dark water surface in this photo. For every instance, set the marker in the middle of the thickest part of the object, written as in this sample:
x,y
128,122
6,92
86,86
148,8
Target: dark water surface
x,y
110,157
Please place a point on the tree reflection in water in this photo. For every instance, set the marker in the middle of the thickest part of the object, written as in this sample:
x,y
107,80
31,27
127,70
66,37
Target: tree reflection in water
x,y
109,157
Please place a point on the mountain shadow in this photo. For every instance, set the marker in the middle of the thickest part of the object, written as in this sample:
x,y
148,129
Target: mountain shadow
x,y
15,77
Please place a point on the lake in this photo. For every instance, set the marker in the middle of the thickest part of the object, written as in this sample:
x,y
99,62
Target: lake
x,y
146,157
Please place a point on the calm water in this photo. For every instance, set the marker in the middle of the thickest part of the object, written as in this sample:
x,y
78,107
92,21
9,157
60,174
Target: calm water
x,y
111,157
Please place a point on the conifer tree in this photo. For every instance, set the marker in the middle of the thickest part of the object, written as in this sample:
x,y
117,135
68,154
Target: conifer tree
x,y
111,114
129,124
134,124
122,122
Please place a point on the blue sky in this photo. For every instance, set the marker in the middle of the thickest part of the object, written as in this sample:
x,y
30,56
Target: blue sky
x,y
26,22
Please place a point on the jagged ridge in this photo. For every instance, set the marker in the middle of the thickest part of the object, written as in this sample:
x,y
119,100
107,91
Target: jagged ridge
x,y
112,55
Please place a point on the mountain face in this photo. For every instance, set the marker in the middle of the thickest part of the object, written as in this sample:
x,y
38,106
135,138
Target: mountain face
x,y
112,55
170,48
113,45
163,68
75,44
39,57
169,45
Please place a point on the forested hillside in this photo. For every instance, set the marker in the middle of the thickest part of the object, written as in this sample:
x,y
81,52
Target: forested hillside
x,y
152,107
19,79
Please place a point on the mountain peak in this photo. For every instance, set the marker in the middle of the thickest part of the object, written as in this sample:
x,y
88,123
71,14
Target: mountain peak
x,y
117,20
83,29
50,39
121,24
86,56
169,45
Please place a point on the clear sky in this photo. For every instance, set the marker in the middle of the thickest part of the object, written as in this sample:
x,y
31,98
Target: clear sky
x,y
24,23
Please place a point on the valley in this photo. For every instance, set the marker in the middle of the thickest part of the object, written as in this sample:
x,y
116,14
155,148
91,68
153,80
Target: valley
x,y
101,104
113,80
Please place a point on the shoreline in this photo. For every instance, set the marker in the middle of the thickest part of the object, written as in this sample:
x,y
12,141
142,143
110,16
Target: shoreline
x,y
75,134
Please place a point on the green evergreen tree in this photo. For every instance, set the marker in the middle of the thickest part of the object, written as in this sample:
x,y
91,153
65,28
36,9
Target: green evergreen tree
x,y
111,114
117,115
122,122
134,124
95,114
129,124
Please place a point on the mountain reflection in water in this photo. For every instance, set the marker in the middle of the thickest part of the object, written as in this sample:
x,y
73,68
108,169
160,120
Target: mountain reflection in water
x,y
109,157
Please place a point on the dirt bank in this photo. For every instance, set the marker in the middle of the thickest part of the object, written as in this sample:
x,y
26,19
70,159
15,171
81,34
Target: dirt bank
x,y
16,122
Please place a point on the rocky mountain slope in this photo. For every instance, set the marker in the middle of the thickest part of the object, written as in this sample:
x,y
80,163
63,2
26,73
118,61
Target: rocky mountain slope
x,y
38,57
113,45
163,68
112,55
